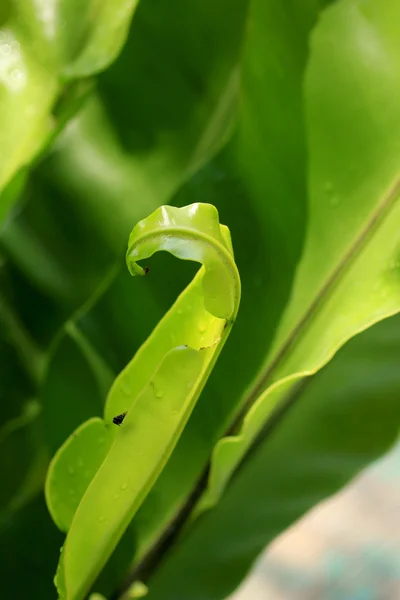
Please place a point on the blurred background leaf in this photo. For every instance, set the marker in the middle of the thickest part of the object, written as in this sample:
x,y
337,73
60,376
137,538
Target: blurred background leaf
x,y
333,425
348,275
204,103
40,44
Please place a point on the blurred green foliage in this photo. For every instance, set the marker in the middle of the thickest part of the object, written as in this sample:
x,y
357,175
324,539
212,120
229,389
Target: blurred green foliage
x,y
285,117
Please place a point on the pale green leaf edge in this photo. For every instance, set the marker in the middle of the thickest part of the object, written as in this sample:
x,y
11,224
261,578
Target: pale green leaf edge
x,y
261,400
217,242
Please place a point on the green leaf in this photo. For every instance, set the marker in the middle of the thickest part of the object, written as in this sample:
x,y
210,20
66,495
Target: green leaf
x,y
10,192
79,379
73,468
199,88
266,273
259,182
107,201
158,390
334,425
27,92
81,37
41,43
107,22
74,269
348,277
124,145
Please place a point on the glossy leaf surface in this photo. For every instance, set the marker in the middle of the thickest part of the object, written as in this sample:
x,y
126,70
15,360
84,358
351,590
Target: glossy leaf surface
x,y
264,160
73,187
306,161
266,277
42,43
157,389
348,277
335,424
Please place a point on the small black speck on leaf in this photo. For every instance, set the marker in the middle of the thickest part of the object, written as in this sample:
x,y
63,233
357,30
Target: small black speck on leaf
x,y
118,419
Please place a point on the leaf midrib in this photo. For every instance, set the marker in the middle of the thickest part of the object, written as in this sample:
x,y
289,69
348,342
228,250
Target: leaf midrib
x,y
352,252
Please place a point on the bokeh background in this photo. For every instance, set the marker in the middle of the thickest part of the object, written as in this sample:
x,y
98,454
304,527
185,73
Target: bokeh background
x,y
347,548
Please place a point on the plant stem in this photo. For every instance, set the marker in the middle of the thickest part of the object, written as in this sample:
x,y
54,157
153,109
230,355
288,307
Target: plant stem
x,y
31,356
